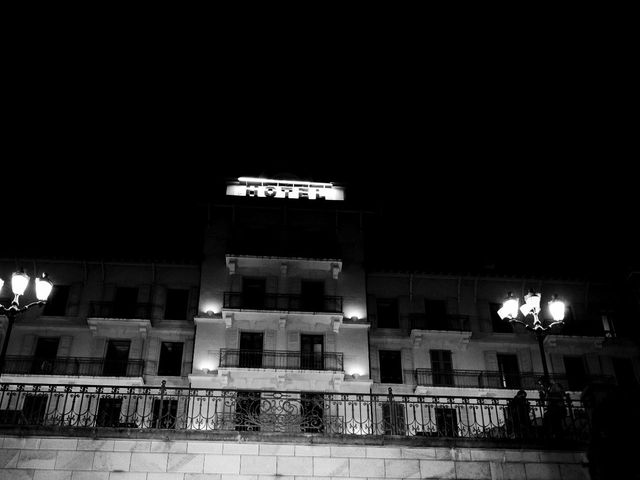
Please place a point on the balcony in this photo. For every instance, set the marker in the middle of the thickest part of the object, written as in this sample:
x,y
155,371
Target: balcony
x,y
280,359
412,418
78,366
485,379
282,302
116,310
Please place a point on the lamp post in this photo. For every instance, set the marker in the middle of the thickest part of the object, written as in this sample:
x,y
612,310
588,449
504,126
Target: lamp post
x,y
531,306
19,282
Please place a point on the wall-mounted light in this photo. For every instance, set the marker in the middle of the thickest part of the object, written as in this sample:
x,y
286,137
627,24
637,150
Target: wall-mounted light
x,y
211,308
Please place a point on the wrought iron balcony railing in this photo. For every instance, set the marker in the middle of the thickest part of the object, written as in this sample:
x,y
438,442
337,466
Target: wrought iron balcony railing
x,y
72,366
458,323
284,302
487,379
116,310
207,410
280,359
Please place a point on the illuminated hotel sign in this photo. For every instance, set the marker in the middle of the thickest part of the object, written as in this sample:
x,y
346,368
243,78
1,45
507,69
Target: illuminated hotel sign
x,y
268,188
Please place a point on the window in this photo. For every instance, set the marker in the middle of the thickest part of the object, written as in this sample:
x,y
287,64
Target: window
x,y
117,358
109,412
442,368
387,313
312,296
56,305
253,293
623,369
509,370
390,366
311,351
45,356
125,302
576,375
177,304
608,325
436,313
251,349
499,325
170,359
164,413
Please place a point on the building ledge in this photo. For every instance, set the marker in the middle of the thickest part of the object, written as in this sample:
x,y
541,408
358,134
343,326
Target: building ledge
x,y
71,379
574,341
441,339
233,262
104,433
119,327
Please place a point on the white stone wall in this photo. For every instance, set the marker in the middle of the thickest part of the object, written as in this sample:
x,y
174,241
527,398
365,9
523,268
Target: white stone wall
x,y
67,458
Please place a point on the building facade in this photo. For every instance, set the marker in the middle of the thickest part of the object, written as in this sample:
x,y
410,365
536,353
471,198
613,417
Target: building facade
x,y
282,329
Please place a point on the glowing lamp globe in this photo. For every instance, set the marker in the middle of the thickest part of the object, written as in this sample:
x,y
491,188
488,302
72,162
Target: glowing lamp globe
x,y
19,282
43,287
509,308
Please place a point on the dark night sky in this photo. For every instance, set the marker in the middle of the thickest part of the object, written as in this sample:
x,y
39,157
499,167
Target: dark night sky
x,y
436,214
470,166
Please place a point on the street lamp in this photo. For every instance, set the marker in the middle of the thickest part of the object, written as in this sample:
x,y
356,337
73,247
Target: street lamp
x,y
531,306
19,282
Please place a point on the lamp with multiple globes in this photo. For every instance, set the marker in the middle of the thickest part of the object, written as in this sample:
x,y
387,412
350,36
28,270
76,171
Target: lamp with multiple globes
x,y
19,283
511,307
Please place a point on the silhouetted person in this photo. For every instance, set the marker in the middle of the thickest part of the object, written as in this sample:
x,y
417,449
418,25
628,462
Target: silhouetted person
x,y
614,419
519,422
555,412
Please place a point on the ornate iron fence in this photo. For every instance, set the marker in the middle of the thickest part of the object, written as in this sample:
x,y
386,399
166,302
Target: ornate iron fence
x,y
73,366
280,359
209,410
283,302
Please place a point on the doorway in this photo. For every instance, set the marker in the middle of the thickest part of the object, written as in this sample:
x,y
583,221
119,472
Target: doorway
x,y
117,358
45,356
251,349
312,352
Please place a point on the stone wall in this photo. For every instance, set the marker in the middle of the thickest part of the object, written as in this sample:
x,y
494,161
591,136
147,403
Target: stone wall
x,y
66,458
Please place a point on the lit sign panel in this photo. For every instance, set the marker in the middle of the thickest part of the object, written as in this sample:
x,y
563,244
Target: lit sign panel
x,y
268,188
